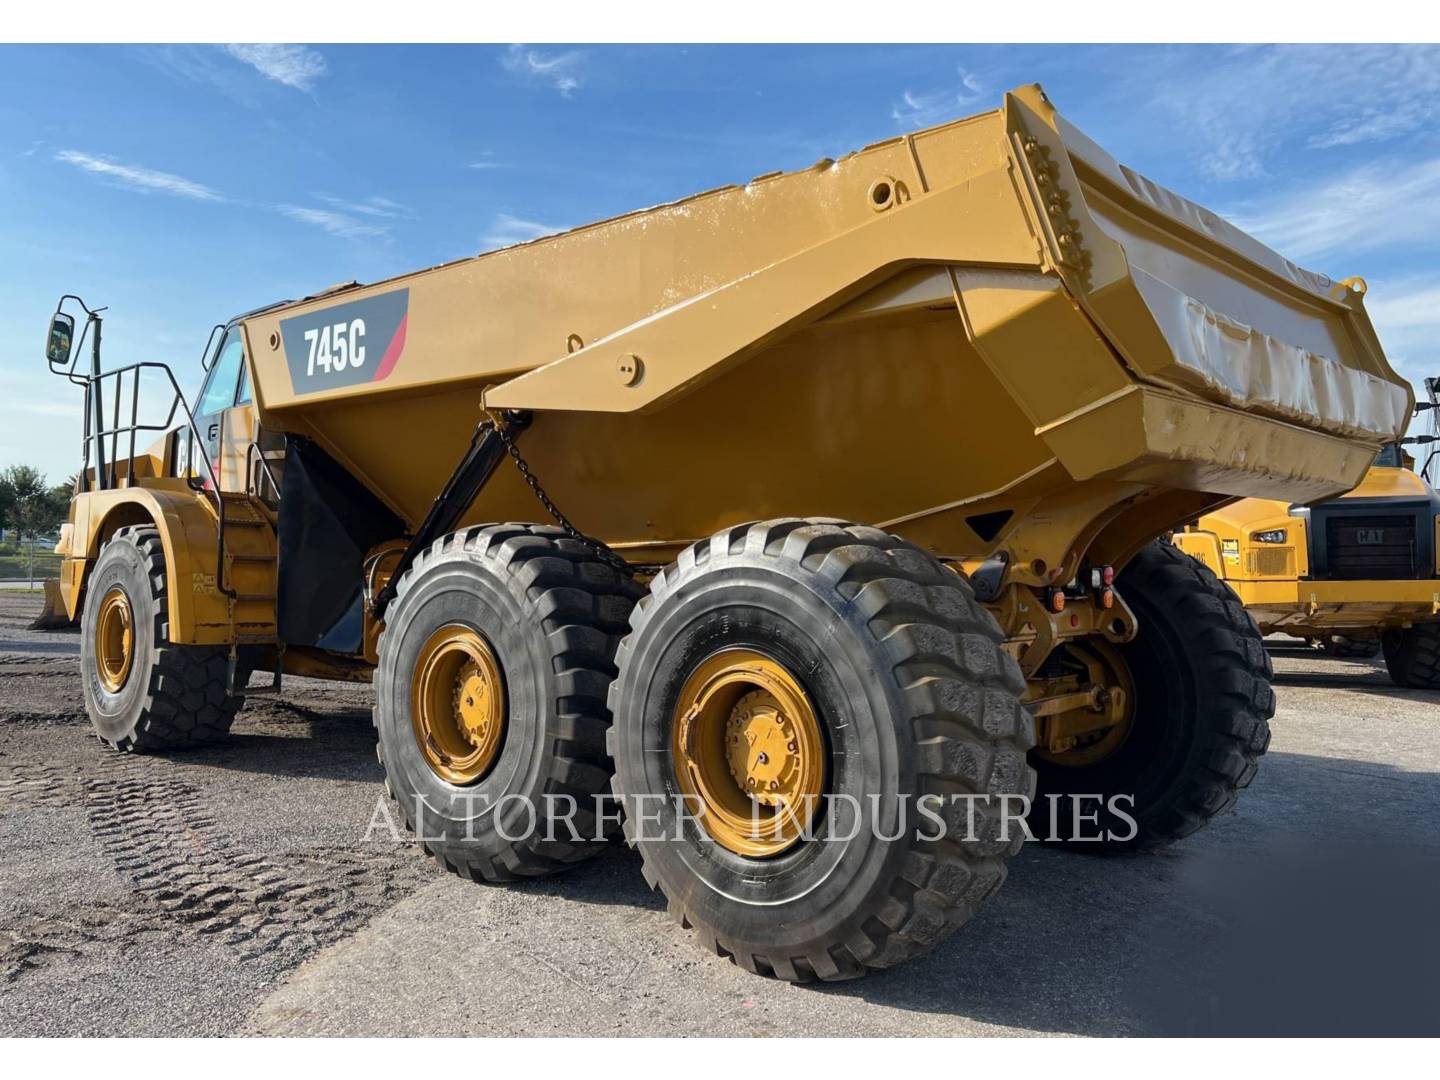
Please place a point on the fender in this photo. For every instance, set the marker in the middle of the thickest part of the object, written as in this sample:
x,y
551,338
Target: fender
x,y
199,613
1205,546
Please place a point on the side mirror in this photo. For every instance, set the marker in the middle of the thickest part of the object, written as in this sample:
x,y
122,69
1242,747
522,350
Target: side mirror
x,y
61,340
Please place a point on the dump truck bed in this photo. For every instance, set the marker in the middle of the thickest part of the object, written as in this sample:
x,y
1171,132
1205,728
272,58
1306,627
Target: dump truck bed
x,y
976,316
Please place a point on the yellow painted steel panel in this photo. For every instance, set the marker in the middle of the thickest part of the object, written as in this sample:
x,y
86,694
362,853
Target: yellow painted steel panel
x,y
972,319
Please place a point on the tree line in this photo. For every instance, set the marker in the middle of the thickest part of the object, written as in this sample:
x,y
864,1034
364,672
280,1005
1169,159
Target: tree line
x,y
30,506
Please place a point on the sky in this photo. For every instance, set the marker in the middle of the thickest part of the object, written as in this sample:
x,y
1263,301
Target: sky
x,y
180,186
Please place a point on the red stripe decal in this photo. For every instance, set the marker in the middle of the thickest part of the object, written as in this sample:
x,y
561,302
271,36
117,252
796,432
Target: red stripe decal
x,y
393,351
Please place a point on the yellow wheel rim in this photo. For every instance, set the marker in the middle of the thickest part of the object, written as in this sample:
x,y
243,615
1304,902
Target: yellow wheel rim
x,y
1107,668
749,755
114,639
457,706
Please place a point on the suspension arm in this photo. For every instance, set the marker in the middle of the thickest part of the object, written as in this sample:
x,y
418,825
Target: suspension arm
x,y
487,449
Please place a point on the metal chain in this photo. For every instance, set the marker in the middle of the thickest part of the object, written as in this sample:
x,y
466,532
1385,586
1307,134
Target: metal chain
x,y
602,552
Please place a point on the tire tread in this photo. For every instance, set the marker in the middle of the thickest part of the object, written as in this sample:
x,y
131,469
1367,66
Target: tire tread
x,y
961,696
584,604
185,704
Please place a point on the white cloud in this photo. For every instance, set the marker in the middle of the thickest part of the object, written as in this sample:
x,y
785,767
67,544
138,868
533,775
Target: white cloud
x,y
1238,107
1392,204
335,223
1406,314
363,219
935,106
290,65
1414,304
486,160
507,229
139,178
561,70
374,206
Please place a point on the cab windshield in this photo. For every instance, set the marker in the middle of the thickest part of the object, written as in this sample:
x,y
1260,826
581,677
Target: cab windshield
x,y
223,380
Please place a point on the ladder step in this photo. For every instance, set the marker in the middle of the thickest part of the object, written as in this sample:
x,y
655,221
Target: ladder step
x,y
242,557
245,523
245,596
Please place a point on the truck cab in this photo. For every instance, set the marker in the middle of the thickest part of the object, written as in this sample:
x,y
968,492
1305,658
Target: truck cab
x,y
1354,575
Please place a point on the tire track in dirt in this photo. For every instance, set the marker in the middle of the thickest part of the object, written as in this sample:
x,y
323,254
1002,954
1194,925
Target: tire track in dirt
x,y
40,689
32,941
181,865
186,875
25,785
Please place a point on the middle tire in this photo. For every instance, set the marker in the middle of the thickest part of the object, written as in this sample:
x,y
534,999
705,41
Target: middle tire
x,y
490,703
869,673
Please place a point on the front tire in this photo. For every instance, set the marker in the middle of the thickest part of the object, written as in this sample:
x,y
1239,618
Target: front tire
x,y
142,692
1200,723
522,621
1412,656
913,695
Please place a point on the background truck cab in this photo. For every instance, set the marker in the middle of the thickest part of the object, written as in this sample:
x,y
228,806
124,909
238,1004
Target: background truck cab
x,y
1354,575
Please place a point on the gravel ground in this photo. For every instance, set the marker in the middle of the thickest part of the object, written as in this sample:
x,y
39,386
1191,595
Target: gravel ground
x,y
234,891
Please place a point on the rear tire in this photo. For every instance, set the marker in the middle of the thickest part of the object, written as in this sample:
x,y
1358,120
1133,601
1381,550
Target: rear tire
x,y
1412,656
914,696
171,696
1201,722
1348,648
552,615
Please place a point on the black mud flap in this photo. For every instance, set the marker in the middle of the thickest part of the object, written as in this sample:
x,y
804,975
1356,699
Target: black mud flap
x,y
328,521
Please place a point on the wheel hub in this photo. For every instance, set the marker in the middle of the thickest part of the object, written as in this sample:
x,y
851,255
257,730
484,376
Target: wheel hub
x,y
114,639
764,749
475,704
1081,733
748,750
457,705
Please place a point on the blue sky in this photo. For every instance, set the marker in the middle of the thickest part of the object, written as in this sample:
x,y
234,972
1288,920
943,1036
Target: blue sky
x,y
182,185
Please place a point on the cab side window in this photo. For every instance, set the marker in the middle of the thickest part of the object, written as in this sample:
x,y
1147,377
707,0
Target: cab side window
x,y
224,378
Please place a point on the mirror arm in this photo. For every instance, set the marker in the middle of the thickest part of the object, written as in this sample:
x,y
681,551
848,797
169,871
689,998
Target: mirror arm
x,y
206,359
98,419
60,307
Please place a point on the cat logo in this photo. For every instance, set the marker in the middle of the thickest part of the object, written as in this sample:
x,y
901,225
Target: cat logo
x,y
1370,536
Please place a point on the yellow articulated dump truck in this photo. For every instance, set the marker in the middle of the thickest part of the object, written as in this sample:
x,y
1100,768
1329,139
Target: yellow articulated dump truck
x,y
1355,575
847,485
